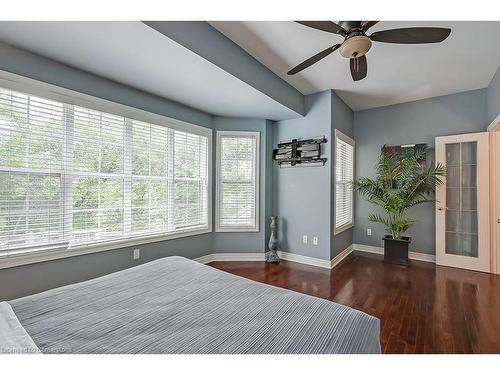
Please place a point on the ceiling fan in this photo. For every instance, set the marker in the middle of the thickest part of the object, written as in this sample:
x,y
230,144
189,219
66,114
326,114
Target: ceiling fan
x,y
356,43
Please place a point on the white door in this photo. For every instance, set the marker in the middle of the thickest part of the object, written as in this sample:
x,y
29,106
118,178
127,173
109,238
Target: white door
x,y
462,207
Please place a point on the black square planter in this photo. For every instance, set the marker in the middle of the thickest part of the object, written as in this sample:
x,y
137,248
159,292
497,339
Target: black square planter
x,y
396,251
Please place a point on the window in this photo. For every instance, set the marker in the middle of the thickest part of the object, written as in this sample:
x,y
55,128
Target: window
x,y
237,181
344,175
70,175
190,176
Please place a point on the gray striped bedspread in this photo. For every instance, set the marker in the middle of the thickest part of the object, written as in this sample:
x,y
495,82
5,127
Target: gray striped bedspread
x,y
176,305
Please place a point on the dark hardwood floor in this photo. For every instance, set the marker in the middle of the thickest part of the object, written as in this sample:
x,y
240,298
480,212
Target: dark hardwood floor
x,y
422,309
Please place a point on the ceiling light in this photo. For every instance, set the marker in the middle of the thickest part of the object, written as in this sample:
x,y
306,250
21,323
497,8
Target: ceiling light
x,y
355,46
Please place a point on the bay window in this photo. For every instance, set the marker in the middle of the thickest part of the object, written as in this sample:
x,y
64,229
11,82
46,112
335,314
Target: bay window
x,y
71,175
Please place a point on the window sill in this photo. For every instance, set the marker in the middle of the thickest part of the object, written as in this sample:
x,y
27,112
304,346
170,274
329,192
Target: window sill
x,y
20,258
342,229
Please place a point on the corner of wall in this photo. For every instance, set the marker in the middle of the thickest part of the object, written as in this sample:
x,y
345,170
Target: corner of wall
x,y
493,97
268,189
302,195
342,118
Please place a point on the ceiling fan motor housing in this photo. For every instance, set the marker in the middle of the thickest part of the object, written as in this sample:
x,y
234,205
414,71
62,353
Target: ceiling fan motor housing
x,y
355,46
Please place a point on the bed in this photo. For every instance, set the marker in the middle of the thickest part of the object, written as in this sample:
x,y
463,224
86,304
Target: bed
x,y
176,305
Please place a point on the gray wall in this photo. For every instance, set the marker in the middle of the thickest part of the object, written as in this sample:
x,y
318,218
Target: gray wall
x,y
33,278
270,125
415,122
301,195
342,119
493,97
248,241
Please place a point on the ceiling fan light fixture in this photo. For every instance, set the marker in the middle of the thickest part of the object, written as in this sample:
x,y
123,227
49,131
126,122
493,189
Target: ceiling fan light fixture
x,y
355,46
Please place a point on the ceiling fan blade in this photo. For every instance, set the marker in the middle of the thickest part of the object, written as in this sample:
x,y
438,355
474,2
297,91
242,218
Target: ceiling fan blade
x,y
359,67
412,35
313,59
365,25
327,26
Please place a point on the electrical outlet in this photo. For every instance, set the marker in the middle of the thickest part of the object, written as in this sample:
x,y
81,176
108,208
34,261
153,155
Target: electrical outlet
x,y
369,231
315,240
304,239
137,254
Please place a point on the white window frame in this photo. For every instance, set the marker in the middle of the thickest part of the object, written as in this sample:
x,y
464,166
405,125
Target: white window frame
x,y
341,136
69,97
256,226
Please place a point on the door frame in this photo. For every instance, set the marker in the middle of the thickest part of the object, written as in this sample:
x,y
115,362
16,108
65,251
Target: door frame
x,y
482,263
494,132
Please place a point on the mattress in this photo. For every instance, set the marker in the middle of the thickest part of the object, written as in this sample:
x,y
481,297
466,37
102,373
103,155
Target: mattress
x,y
176,305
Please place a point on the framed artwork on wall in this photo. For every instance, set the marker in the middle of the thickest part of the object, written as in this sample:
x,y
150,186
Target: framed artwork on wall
x,y
403,151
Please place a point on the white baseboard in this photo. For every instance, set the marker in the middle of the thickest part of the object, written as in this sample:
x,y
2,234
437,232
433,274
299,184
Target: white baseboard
x,y
380,250
369,249
205,259
340,257
422,257
304,259
250,257
231,257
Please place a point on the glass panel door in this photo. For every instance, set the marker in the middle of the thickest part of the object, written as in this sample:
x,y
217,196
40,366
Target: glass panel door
x,y
461,199
462,202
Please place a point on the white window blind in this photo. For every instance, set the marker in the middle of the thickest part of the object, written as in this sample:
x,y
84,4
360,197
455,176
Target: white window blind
x,y
31,165
150,178
237,181
190,176
95,179
344,175
72,175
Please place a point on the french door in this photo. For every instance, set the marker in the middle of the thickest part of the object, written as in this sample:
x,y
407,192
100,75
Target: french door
x,y
462,207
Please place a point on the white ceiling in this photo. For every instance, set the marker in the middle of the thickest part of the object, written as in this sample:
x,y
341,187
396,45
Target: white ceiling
x,y
467,60
136,55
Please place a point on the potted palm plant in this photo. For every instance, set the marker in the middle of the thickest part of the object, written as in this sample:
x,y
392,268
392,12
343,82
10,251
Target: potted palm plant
x,y
399,185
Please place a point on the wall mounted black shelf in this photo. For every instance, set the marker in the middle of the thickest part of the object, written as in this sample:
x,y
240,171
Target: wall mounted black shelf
x,y
299,152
